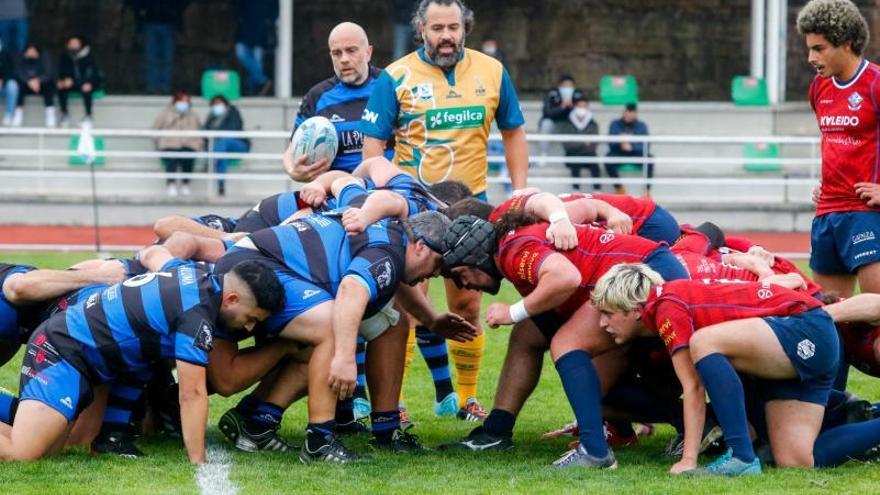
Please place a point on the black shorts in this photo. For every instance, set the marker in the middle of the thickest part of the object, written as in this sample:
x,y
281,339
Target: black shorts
x,y
548,323
251,221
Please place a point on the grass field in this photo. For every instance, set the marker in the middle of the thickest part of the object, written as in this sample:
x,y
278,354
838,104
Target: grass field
x,y
643,469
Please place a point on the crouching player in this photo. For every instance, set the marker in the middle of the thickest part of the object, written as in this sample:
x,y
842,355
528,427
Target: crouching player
x,y
116,336
782,338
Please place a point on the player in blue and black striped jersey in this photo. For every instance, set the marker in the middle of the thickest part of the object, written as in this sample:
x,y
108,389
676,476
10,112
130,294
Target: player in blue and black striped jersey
x,y
322,267
341,99
116,336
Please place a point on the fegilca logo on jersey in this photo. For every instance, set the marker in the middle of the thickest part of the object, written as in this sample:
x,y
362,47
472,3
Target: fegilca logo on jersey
x,y
455,118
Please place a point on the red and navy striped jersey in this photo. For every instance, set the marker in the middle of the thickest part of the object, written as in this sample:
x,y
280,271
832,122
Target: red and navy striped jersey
x,y
122,331
677,309
522,251
847,115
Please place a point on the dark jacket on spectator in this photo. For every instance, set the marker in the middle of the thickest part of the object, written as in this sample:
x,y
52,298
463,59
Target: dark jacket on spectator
x,y
255,22
579,148
80,67
7,65
40,68
158,12
618,127
229,121
553,105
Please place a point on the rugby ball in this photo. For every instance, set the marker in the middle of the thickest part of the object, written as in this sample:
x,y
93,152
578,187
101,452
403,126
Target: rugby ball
x,y
316,138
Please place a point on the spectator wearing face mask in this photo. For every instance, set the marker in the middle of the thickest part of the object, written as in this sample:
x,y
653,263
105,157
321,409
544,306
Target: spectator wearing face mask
x,y
34,74
558,103
490,48
629,125
581,122
225,117
178,116
77,71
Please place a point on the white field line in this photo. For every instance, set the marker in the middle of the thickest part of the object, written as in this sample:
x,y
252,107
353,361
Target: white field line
x,y
213,476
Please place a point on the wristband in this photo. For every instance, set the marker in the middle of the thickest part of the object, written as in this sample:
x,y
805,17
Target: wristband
x,y
518,311
558,216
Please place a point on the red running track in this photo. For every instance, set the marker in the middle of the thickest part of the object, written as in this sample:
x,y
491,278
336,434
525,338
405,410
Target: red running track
x,y
784,242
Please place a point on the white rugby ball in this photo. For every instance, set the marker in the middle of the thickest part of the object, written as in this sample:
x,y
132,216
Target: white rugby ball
x,y
316,138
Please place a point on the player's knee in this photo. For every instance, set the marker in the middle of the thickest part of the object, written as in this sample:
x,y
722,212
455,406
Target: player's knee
x,y
526,337
793,457
18,289
701,345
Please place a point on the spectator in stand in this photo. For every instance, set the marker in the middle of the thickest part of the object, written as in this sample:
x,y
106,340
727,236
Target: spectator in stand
x,y
255,34
224,116
558,103
628,124
490,48
401,13
8,84
14,24
178,116
158,21
580,121
34,75
77,71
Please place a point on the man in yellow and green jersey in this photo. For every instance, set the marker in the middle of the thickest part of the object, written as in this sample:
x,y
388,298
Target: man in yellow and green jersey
x,y
439,103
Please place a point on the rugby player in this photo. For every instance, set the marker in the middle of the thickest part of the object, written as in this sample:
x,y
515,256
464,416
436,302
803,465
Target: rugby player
x,y
845,242
118,334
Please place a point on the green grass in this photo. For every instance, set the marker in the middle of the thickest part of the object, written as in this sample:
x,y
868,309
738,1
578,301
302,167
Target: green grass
x,y
643,469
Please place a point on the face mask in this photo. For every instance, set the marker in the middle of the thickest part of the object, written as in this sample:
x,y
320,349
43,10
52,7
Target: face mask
x,y
581,112
490,49
181,106
218,109
566,92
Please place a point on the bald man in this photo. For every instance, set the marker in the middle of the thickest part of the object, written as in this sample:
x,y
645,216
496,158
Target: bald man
x,y
341,99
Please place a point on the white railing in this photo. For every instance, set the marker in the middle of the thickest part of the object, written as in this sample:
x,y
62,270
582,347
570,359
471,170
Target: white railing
x,y
805,168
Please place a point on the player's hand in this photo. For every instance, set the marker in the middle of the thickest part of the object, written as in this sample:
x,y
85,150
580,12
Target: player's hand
x,y
343,376
85,87
562,234
619,222
869,192
301,170
817,193
498,314
454,327
34,84
683,466
791,281
355,221
112,271
313,194
763,254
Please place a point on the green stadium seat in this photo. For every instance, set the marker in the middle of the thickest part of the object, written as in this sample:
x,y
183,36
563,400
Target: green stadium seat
x,y
221,82
77,160
749,91
618,90
766,151
96,95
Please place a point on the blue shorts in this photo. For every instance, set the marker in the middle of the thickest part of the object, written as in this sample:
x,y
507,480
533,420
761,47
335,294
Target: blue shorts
x,y
662,261
660,226
841,243
299,295
482,196
810,341
48,378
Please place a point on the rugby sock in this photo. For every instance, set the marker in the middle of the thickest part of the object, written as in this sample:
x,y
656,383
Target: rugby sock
x,y
266,416
728,401
467,357
433,348
345,411
500,422
581,384
835,410
410,353
360,357
121,404
853,441
8,407
317,433
384,424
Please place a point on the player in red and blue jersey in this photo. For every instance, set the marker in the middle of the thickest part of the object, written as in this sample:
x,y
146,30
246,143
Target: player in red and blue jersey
x,y
782,338
118,335
845,95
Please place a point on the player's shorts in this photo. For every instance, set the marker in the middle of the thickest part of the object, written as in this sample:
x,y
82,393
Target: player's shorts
x,y
842,242
660,226
299,295
251,221
218,223
48,378
662,261
548,324
810,341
